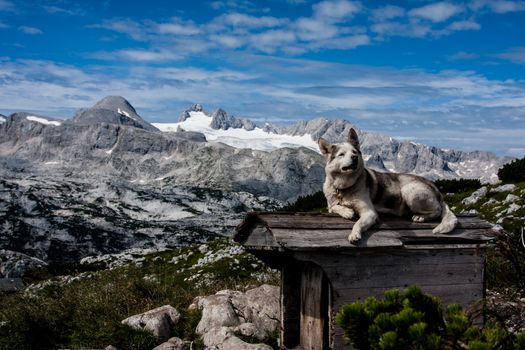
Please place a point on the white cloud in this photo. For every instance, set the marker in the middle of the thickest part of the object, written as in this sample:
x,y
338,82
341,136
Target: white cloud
x,y
343,43
462,55
464,25
387,12
412,29
138,55
268,88
177,27
247,21
436,12
314,29
336,9
6,5
228,41
272,40
135,30
70,11
457,26
498,6
30,30
515,54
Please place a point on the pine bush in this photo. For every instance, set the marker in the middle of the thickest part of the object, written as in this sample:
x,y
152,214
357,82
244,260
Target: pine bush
x,y
513,172
414,320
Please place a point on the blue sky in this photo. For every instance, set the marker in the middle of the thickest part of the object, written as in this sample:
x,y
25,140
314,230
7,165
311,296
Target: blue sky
x,y
445,73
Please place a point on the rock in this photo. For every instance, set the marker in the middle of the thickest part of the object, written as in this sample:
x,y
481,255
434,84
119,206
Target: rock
x,y
504,188
475,196
157,321
513,208
227,313
511,198
471,212
112,110
217,311
222,338
490,202
110,347
174,344
16,265
222,120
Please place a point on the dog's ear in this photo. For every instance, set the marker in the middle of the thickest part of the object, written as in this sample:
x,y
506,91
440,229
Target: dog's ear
x,y
325,147
352,138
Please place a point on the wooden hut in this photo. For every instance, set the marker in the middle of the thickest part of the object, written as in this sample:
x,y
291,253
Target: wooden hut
x,y
321,270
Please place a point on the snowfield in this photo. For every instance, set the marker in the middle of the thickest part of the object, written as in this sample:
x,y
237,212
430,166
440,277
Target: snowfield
x,y
43,120
237,137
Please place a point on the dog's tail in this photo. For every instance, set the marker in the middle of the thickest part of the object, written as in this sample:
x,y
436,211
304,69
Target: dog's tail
x,y
448,221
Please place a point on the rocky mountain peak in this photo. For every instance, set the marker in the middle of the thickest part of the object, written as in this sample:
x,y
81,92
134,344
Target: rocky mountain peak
x,y
222,120
114,103
112,110
197,107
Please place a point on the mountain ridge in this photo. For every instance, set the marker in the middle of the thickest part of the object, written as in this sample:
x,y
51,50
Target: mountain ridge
x,y
381,152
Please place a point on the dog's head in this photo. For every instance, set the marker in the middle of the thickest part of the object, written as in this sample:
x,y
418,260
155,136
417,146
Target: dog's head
x,y
342,158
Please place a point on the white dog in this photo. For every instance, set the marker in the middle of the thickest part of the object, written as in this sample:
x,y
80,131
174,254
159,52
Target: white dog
x,y
351,188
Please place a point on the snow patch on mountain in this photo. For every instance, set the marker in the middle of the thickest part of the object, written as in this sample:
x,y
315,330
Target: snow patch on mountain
x,y
2,120
124,113
257,138
43,120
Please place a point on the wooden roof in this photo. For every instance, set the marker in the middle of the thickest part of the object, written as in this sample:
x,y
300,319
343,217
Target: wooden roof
x,y
280,231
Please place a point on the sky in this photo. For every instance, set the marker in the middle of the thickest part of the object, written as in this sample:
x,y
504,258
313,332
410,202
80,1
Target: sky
x,y
444,73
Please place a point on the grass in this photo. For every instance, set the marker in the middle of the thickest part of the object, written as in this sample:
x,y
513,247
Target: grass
x,y
88,312
506,258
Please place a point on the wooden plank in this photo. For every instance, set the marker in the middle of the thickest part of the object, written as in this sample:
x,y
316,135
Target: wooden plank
x,y
337,239
390,276
391,257
290,304
315,239
314,311
466,294
260,236
313,221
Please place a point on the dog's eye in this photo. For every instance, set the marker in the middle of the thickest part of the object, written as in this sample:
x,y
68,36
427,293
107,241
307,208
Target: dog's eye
x,y
341,155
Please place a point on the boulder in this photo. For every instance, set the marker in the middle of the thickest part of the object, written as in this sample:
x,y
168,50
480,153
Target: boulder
x,y
174,344
16,265
229,313
217,311
157,321
475,196
511,198
504,188
223,338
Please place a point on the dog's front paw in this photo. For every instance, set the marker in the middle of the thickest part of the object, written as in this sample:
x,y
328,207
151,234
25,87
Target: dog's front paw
x,y
348,214
417,218
354,237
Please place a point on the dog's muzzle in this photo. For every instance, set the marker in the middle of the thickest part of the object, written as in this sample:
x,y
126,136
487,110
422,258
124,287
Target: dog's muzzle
x,y
353,165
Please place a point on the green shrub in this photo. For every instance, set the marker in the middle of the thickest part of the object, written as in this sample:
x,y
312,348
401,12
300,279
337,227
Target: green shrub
x,y
513,171
414,320
312,202
457,185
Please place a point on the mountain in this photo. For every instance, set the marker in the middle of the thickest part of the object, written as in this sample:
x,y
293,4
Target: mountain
x,y
380,151
106,180
112,110
72,188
